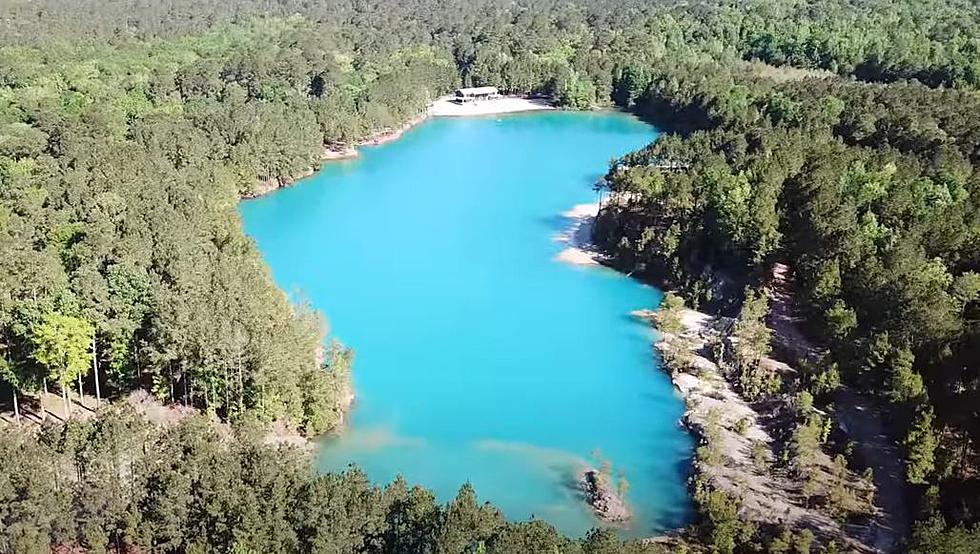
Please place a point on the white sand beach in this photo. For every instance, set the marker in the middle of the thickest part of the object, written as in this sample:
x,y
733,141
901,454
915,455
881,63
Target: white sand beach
x,y
445,107
578,236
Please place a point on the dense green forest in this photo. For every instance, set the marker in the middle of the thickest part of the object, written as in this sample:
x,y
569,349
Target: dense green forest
x,y
129,129
870,192
120,484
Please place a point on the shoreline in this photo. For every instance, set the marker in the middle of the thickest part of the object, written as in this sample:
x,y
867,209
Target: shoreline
x,y
577,238
441,107
737,448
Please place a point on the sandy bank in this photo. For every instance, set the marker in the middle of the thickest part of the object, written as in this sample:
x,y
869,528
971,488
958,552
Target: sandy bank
x,y
330,152
577,237
385,136
339,152
445,107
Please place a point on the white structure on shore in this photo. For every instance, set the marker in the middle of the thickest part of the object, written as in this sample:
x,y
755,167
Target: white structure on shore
x,y
464,95
450,106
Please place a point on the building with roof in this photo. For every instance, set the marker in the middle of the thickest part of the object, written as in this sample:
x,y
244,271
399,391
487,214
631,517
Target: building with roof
x,y
475,94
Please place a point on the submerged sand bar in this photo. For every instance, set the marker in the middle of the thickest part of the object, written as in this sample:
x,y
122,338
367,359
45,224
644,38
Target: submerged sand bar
x,y
445,107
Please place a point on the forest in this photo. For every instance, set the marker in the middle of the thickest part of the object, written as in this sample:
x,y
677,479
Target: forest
x,y
121,484
870,191
841,135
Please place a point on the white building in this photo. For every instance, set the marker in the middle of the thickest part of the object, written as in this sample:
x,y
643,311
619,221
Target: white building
x,y
475,94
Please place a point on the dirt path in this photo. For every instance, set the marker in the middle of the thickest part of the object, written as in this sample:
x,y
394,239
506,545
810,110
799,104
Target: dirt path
x,y
790,342
877,449
859,416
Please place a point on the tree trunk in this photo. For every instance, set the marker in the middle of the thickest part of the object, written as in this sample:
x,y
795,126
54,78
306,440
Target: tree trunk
x,y
44,396
241,386
95,372
170,371
227,398
81,395
67,402
16,405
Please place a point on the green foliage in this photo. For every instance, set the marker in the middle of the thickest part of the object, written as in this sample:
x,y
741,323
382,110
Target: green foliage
x,y
573,91
33,507
756,382
933,535
61,344
760,455
720,525
121,163
668,315
804,542
920,446
328,392
751,338
709,452
842,499
868,191
819,376
840,321
119,483
787,541
751,332
742,425
809,432
904,384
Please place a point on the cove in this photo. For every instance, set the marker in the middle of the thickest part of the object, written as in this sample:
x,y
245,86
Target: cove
x,y
479,357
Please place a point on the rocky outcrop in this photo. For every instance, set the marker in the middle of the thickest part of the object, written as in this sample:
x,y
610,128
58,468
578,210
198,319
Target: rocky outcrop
x,y
601,496
737,453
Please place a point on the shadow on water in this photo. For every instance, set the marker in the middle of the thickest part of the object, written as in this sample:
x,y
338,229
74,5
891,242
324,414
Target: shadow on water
x,y
675,515
556,223
570,483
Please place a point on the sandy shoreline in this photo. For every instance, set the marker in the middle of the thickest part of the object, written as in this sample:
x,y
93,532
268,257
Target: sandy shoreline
x,y
445,107
578,236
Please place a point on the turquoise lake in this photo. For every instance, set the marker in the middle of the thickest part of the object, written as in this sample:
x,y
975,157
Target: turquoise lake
x,y
479,357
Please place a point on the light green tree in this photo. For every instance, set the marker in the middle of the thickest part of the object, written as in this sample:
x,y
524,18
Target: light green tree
x,y
903,383
751,331
920,446
668,315
61,345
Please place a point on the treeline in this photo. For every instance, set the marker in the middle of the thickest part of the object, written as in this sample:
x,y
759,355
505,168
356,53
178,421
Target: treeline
x,y
120,484
932,41
868,191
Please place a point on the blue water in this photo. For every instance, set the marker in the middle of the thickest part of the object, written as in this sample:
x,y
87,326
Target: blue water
x,y
479,357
